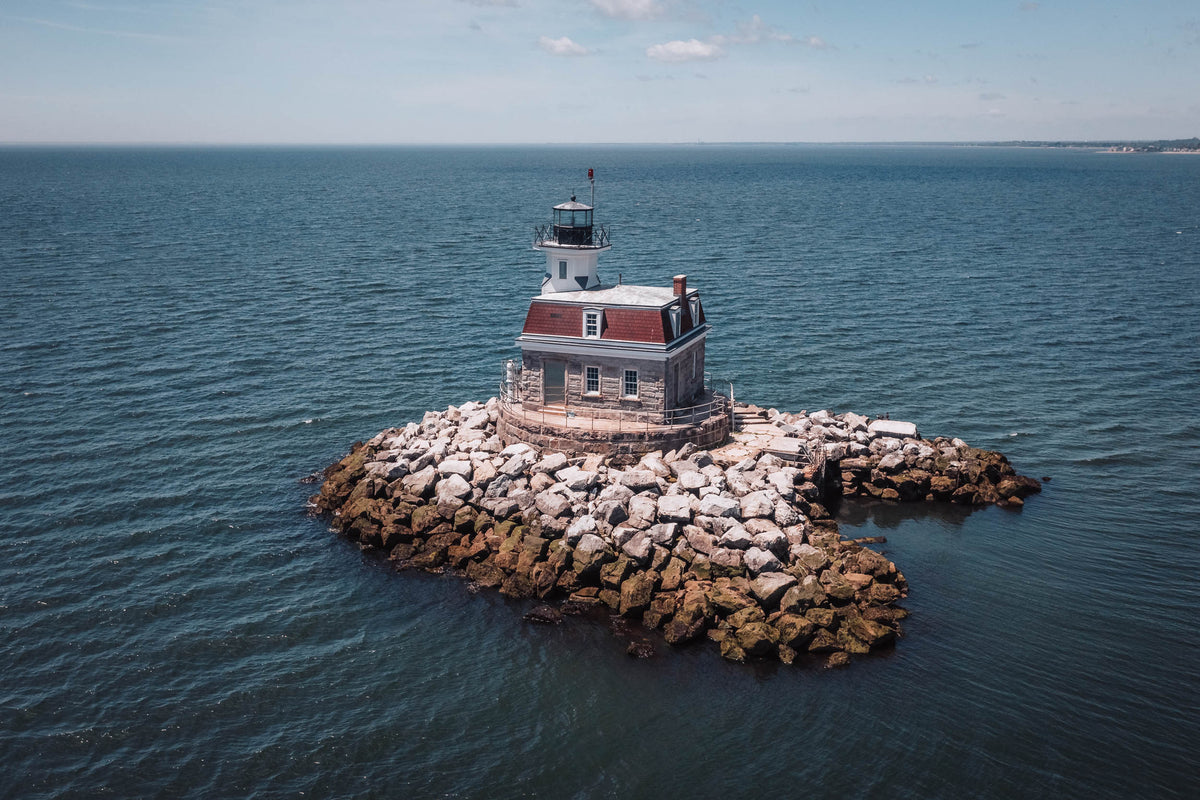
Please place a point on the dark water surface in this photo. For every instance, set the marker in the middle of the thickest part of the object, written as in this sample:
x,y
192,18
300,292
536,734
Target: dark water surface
x,y
185,334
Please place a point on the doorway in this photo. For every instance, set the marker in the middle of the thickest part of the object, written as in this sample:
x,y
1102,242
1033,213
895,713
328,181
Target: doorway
x,y
554,383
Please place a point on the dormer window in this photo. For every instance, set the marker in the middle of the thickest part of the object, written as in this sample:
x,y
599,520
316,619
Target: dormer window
x,y
694,307
676,313
591,324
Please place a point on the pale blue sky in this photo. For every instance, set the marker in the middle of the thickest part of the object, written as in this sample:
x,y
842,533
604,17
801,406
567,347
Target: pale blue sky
x,y
408,71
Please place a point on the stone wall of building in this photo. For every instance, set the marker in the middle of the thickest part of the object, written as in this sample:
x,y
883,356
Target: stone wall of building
x,y
685,373
651,382
677,382
529,381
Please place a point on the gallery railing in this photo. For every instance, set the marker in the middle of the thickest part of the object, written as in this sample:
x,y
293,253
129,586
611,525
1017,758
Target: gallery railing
x,y
617,420
593,236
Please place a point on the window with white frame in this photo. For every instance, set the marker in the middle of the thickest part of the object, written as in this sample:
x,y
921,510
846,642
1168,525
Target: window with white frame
x,y
562,270
676,312
591,380
591,324
629,384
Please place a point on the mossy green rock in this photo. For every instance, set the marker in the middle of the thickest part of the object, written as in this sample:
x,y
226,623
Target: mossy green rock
x,y
425,518
757,639
464,519
614,574
821,617
726,601
731,650
636,593
795,631
485,574
871,633
690,618
745,616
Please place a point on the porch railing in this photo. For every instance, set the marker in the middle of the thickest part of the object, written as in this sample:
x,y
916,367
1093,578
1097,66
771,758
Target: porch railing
x,y
613,419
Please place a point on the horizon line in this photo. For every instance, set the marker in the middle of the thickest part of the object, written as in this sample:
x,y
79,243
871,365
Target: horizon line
x,y
696,143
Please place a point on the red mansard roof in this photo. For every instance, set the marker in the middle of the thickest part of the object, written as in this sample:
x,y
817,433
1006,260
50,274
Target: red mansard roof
x,y
651,325
635,325
554,320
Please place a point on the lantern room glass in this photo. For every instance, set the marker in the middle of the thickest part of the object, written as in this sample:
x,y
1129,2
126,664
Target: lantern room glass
x,y
573,218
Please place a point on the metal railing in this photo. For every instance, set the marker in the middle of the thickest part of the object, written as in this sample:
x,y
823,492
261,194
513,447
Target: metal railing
x,y
617,420
547,234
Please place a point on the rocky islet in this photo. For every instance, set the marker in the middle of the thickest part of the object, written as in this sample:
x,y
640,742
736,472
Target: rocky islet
x,y
733,544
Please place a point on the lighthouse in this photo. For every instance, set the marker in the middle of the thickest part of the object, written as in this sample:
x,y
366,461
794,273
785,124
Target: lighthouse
x,y
601,360
572,245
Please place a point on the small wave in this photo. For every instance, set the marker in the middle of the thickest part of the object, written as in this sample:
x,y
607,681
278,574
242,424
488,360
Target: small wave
x,y
1127,458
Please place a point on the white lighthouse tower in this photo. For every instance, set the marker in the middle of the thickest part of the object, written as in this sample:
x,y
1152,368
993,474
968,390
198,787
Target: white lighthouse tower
x,y
572,245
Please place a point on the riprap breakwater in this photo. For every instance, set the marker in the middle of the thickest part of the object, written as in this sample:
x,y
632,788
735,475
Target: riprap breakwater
x,y
735,543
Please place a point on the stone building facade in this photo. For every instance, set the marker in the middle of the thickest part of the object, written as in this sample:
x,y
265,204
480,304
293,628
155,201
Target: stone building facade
x,y
625,348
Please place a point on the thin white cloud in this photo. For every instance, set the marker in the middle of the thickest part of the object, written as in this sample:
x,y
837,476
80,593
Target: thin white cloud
x,y
691,50
629,9
755,31
1029,6
752,32
155,37
815,42
563,46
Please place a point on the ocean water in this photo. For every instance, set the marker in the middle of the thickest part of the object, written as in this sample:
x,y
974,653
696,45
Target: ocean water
x,y
188,334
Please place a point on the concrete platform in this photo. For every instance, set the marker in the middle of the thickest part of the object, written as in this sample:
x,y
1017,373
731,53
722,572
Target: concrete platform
x,y
893,428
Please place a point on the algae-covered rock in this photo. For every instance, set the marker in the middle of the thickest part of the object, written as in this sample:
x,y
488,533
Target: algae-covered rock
x,y
757,639
425,518
726,601
691,617
870,633
672,574
662,606
794,630
636,593
745,616
614,573
731,650
485,574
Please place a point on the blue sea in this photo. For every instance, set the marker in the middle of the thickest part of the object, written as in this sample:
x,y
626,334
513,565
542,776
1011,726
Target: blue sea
x,y
187,335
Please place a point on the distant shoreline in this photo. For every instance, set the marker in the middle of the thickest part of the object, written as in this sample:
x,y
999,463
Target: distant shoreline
x,y
1184,146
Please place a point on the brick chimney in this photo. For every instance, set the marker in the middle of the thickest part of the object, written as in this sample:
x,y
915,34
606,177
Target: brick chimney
x,y
680,285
